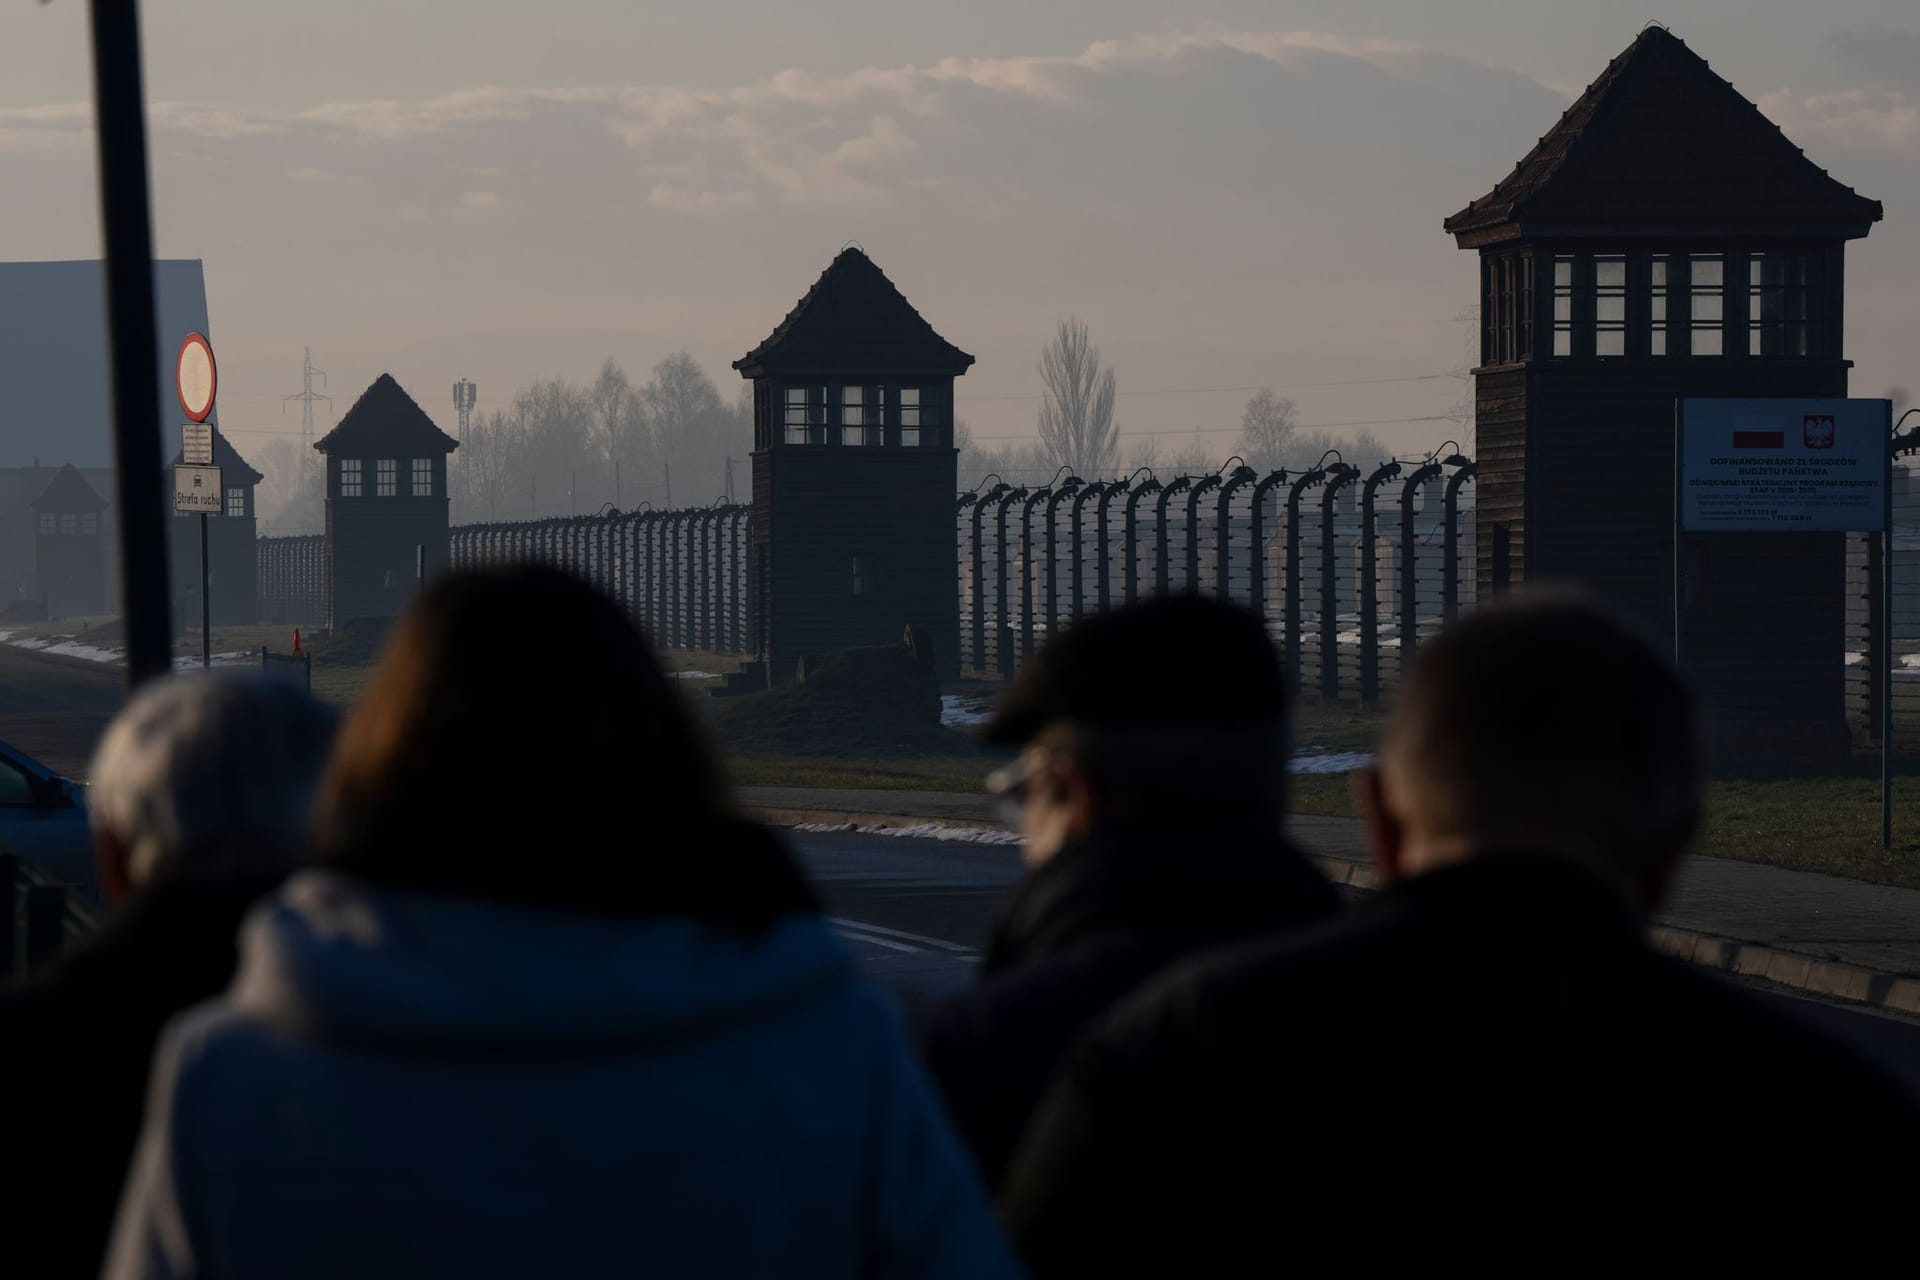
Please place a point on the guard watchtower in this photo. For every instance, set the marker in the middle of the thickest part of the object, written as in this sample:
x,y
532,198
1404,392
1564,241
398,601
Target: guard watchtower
x,y
854,472
1664,240
386,465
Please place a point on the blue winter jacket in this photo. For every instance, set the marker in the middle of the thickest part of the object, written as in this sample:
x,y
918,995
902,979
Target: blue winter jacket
x,y
409,1085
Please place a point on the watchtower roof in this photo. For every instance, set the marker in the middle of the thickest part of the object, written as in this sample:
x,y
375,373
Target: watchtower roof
x,y
385,419
1662,144
69,491
854,320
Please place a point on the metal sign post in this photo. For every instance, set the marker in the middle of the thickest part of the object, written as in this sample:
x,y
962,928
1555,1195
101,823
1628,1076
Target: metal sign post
x,y
197,490
196,380
1790,466
206,603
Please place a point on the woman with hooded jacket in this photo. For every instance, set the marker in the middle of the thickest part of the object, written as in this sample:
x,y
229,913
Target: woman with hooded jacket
x,y
544,1007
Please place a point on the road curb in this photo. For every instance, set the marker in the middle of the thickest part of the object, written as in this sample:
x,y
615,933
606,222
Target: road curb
x,y
1850,984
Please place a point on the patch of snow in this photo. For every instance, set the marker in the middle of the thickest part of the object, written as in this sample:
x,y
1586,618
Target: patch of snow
x,y
1336,762
1906,659
959,709
68,647
191,662
85,652
921,831
692,675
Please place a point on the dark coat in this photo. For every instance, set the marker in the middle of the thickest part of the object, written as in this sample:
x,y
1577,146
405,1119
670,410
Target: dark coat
x,y
1491,1050
75,1044
1076,936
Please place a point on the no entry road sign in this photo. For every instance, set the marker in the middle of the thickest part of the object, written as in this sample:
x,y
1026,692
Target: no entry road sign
x,y
194,377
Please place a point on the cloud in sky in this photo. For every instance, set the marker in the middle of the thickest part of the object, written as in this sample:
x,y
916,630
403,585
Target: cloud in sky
x,y
1224,209
804,139
1859,119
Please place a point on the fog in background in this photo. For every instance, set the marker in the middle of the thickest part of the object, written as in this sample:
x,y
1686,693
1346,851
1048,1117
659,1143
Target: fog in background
x,y
1230,196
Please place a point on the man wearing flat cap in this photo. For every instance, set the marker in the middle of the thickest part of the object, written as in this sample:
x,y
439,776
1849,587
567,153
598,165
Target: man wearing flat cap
x,y
1149,793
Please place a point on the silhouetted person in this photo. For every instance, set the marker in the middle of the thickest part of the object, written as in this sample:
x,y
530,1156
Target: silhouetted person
x,y
1150,794
198,798
1488,1054
546,1008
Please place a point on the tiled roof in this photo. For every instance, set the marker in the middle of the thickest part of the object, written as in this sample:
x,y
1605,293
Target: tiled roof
x,y
235,471
69,491
386,419
854,320
1660,140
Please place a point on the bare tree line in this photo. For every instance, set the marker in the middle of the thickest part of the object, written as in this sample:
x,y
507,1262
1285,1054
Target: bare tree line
x,y
1076,430
559,448
566,448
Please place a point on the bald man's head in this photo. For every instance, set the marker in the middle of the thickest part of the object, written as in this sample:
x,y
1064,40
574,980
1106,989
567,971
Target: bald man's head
x,y
1545,724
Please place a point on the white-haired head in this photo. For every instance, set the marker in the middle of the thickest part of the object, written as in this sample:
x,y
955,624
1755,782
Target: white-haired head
x,y
207,775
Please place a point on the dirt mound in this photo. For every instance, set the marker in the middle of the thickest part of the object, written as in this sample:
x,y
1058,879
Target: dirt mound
x,y
357,644
851,702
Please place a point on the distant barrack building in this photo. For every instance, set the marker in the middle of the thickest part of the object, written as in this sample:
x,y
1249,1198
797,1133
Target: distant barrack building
x,y
56,412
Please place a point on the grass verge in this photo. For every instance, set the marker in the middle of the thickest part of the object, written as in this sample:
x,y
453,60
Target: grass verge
x,y
955,774
1828,825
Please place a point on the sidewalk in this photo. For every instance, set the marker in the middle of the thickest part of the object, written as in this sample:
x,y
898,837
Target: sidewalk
x,y
1843,939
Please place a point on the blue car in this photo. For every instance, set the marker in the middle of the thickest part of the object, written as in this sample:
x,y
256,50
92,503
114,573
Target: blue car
x,y
43,818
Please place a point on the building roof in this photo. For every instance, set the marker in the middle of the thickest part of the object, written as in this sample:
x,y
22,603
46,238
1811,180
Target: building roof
x,y
53,358
386,420
69,491
235,471
1661,144
854,320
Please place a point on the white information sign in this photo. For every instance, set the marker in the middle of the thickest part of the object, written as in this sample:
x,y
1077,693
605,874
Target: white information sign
x,y
1782,466
197,489
196,444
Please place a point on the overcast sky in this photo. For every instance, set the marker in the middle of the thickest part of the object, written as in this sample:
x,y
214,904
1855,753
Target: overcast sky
x,y
1230,193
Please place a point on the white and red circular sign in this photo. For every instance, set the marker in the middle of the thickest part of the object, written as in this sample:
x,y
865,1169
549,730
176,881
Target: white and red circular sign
x,y
194,377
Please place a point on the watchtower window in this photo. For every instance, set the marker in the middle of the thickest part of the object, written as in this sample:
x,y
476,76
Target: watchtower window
x,y
350,477
1657,284
860,421
1506,309
89,522
1610,304
1778,311
862,575
1523,309
805,415
1707,313
47,522
236,502
386,477
1563,305
910,417
423,477
69,523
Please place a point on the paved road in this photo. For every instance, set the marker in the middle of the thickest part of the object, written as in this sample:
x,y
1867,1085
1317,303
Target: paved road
x,y
916,912
54,708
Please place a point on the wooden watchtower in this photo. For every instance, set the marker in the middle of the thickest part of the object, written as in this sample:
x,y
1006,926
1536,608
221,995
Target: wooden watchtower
x,y
854,472
1664,240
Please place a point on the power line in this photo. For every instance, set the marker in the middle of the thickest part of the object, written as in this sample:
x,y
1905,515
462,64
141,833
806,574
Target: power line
x,y
1207,431
1194,391
309,466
